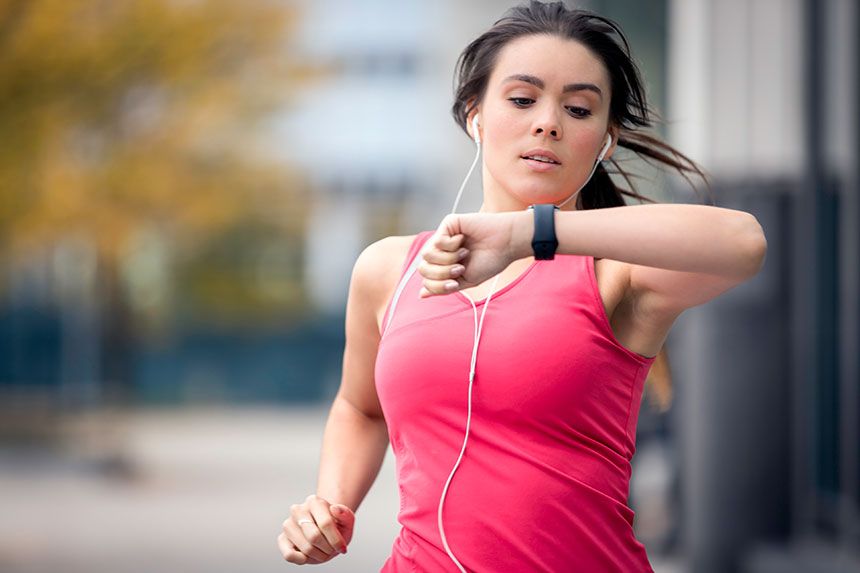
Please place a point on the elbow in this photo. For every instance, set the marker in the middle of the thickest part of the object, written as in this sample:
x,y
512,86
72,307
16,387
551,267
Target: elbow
x,y
755,247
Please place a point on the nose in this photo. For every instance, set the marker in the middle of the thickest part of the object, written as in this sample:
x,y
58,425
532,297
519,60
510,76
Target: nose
x,y
548,123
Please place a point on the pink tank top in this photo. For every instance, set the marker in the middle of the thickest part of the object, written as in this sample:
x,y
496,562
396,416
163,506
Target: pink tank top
x,y
543,483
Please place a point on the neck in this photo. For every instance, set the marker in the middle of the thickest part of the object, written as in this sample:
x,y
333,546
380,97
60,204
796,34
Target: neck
x,y
499,200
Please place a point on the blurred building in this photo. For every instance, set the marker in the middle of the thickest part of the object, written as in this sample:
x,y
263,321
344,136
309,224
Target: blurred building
x,y
377,136
764,93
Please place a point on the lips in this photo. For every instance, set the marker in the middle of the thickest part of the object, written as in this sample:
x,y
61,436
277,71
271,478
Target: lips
x,y
542,155
541,166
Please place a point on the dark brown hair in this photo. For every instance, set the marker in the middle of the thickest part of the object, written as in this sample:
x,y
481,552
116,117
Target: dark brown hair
x,y
628,109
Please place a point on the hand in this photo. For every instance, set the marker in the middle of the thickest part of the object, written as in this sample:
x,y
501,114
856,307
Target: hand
x,y
481,244
328,534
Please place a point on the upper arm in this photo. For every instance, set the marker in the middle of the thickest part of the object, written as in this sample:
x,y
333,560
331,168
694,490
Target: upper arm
x,y
374,268
663,294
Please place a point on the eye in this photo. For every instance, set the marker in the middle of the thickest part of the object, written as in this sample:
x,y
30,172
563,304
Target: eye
x,y
578,112
517,101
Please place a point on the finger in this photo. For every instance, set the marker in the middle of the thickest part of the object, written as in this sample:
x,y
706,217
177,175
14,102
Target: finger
x,y
316,538
327,526
432,287
451,224
305,524
440,272
304,518
291,553
438,257
444,242
296,535
345,518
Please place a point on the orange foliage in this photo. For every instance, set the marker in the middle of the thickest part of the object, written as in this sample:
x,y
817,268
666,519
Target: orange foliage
x,y
123,116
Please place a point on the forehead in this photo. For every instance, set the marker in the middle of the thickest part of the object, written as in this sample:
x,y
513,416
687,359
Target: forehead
x,y
555,60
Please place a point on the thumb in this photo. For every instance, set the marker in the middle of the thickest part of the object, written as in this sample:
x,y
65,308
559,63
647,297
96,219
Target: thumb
x,y
343,515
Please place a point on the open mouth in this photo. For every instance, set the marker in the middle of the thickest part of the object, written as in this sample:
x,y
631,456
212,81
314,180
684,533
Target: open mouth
x,y
540,158
540,163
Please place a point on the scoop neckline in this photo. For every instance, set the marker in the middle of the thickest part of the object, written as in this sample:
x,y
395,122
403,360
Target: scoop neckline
x,y
462,297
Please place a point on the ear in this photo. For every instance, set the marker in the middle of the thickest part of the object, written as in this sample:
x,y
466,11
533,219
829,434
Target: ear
x,y
469,118
614,132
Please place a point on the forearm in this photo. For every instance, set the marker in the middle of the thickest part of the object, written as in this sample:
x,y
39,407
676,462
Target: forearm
x,y
353,450
695,238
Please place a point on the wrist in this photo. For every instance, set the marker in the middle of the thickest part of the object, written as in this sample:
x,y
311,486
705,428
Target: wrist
x,y
522,232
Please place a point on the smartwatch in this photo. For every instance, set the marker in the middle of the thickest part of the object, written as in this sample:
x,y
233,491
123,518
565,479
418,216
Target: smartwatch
x,y
544,242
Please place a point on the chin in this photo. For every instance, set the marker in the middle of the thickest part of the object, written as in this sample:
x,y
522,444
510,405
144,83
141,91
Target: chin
x,y
530,193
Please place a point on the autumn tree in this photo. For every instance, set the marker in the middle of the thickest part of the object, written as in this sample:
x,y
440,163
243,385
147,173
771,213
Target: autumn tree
x,y
137,122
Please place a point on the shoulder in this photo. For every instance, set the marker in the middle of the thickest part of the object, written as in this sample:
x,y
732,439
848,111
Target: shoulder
x,y
377,268
384,256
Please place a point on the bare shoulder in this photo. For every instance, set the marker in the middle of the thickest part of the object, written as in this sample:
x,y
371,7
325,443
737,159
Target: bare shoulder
x,y
378,269
374,270
384,258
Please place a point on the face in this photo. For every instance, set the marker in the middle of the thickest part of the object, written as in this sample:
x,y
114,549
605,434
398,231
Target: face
x,y
545,93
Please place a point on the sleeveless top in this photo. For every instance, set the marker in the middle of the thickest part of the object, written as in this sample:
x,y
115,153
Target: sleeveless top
x,y
544,480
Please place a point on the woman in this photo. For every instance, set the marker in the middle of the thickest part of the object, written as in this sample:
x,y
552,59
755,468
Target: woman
x,y
549,411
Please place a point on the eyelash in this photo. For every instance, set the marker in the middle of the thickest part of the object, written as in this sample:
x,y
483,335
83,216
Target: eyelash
x,y
583,112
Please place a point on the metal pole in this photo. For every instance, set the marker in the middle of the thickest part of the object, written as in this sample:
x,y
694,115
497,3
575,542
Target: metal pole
x,y
849,303
805,325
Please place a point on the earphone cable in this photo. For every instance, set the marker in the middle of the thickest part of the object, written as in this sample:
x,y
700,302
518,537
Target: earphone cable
x,y
414,266
581,187
478,328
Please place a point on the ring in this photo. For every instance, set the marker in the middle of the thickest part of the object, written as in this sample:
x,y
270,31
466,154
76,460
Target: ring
x,y
305,520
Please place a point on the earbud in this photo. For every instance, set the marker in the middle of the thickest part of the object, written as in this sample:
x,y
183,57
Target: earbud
x,y
605,148
475,134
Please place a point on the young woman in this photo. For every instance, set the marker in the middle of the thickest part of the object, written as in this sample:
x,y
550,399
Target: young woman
x,y
517,457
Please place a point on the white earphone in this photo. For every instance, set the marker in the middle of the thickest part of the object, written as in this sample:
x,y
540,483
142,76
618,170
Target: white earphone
x,y
475,134
605,148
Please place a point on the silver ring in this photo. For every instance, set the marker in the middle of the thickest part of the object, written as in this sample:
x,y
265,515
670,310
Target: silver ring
x,y
305,520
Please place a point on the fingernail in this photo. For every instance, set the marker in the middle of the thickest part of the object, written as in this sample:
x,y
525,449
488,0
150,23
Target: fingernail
x,y
451,285
457,269
462,253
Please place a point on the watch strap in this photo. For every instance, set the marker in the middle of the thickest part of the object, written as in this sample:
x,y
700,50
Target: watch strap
x,y
544,242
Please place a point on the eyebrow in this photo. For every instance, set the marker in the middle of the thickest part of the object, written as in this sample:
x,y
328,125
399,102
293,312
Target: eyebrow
x,y
539,83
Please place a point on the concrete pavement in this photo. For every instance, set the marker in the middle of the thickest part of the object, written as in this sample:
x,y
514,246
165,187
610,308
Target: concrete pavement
x,y
191,490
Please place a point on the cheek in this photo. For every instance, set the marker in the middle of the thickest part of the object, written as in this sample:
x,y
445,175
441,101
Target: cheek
x,y
506,129
501,141
588,141
584,147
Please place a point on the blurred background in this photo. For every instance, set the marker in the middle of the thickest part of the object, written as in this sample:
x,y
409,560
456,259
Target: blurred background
x,y
185,187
